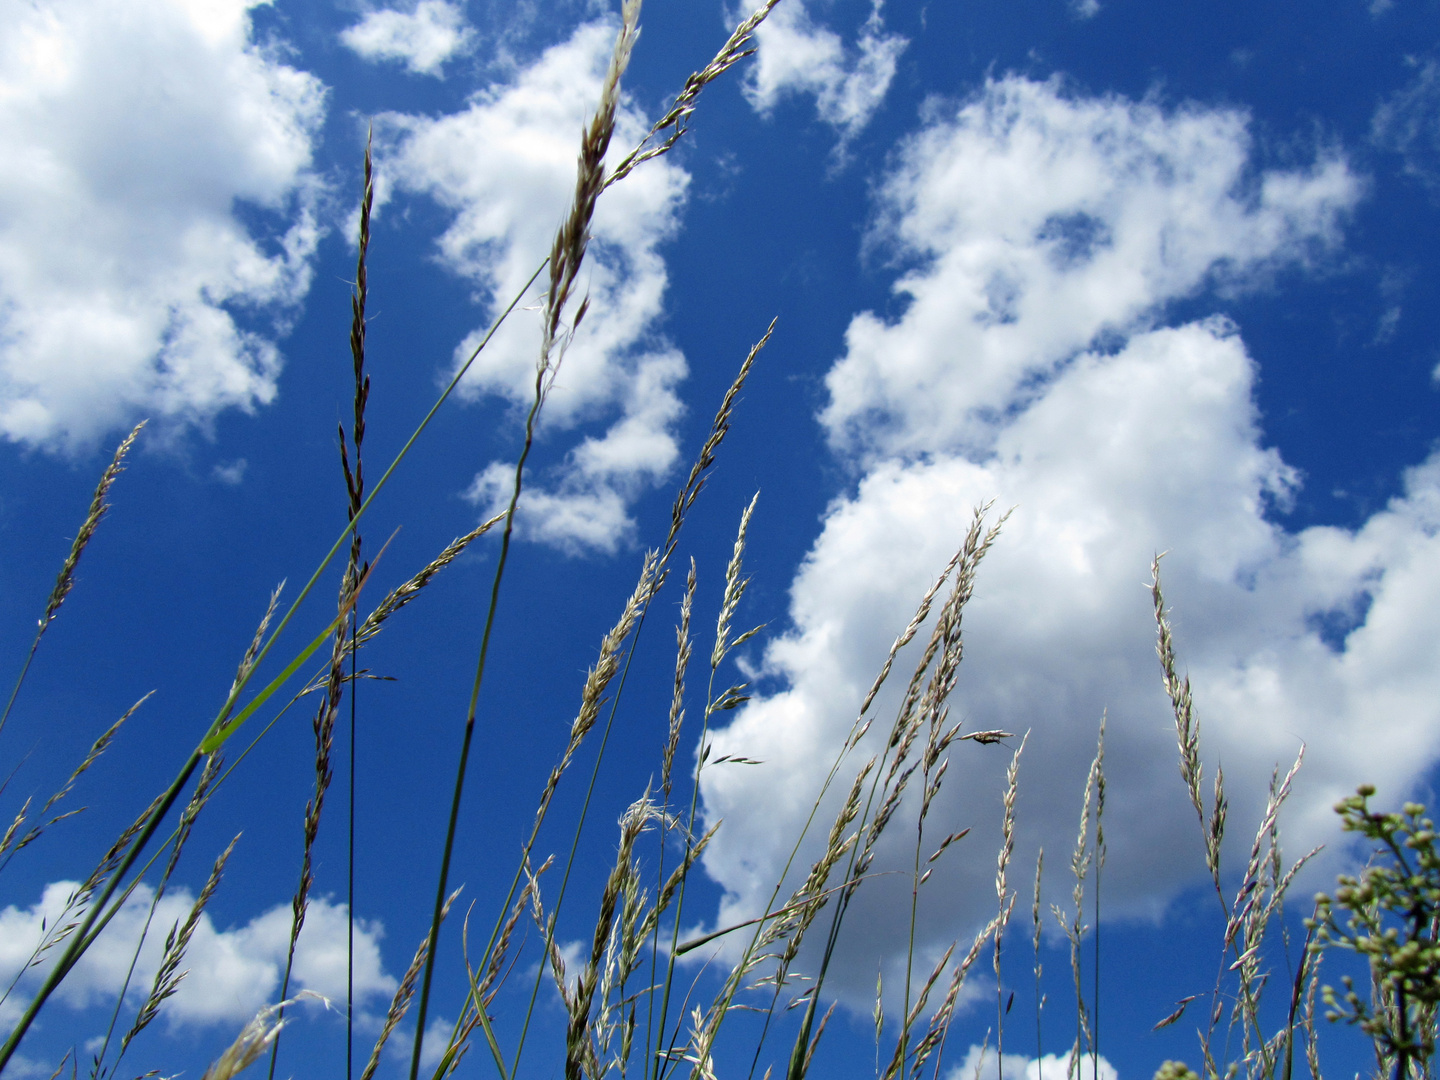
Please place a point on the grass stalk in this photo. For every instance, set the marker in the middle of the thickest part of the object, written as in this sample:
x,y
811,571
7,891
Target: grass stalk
x,y
65,580
566,256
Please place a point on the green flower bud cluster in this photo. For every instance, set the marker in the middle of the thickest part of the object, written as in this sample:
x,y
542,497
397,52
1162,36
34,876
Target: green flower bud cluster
x,y
1389,914
1175,1070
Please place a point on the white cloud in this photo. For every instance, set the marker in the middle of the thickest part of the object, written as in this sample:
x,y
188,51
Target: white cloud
x,y
1047,234
505,167
1041,223
127,282
1409,123
798,57
1085,9
236,971
424,39
979,1064
230,472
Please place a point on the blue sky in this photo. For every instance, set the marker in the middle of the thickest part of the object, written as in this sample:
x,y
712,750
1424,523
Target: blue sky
x,y
1158,277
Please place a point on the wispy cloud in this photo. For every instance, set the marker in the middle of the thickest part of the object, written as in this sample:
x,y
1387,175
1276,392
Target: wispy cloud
x,y
1409,123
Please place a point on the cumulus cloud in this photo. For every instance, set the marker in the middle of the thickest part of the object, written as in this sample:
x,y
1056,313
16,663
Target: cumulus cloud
x,y
797,56
1040,223
424,39
505,168
239,969
128,283
1047,234
980,1061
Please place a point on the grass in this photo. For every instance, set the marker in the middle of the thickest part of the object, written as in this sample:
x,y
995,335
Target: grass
x,y
631,1006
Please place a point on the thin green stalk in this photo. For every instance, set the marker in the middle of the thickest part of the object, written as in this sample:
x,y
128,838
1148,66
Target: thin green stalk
x,y
81,939
433,939
78,938
355,489
567,254
350,879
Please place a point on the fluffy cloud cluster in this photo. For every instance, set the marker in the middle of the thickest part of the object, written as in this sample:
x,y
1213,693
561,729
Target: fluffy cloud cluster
x,y
127,280
796,56
980,1061
1031,366
505,168
423,39
237,970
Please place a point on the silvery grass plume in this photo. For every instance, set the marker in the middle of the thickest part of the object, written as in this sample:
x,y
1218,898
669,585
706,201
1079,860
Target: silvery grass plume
x,y
65,580
1035,922
779,931
600,1007
1073,926
730,601
790,921
12,842
404,593
597,682
566,256
209,777
354,570
1259,897
684,500
404,993
254,1039
923,708
675,120
168,976
1187,732
1004,897
78,903
567,253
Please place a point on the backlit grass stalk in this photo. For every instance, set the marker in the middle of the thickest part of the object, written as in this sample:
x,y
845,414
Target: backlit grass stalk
x,y
923,698
123,856
734,591
566,256
168,975
1004,897
203,790
795,916
684,500
1036,924
14,841
222,727
1259,896
1081,861
324,723
355,489
65,580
